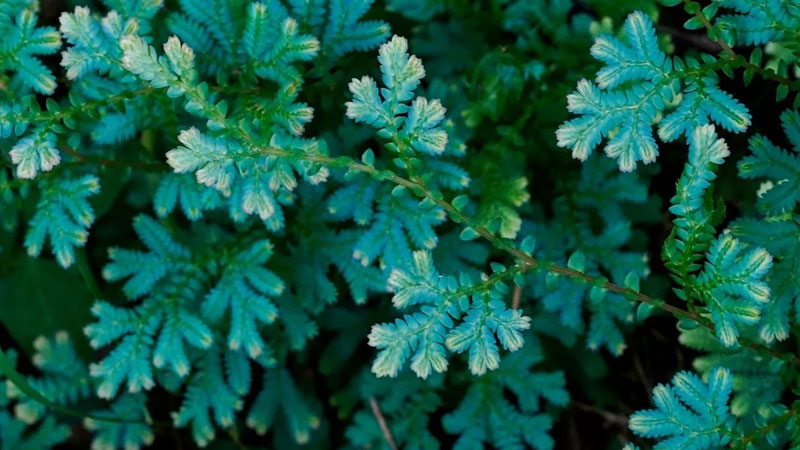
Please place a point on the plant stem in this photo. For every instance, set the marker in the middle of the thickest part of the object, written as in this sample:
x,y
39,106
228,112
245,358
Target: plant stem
x,y
387,433
82,262
738,60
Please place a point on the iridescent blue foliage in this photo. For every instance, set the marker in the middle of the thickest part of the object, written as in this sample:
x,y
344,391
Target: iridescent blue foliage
x,y
236,217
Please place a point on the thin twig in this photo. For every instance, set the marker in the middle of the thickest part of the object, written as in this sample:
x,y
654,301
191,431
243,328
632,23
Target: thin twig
x,y
608,416
699,41
387,433
234,434
112,162
640,372
515,298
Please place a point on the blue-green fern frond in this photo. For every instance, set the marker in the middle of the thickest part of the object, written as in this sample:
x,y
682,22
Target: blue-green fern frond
x,y
64,216
23,42
281,397
65,380
777,235
423,336
731,285
209,399
781,191
420,129
183,190
758,22
599,248
695,221
345,32
486,417
689,414
756,380
243,291
131,434
637,83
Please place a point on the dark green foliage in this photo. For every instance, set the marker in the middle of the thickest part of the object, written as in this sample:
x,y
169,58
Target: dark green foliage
x,y
353,224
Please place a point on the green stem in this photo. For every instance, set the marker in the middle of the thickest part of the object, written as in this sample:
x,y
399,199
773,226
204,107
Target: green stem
x,y
748,439
237,131
508,246
82,262
736,59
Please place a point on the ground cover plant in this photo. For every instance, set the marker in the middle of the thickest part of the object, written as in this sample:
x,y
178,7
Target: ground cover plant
x,y
399,224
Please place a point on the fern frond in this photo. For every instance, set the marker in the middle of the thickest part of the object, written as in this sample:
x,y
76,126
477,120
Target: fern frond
x,y
64,216
424,335
637,83
209,399
756,380
280,396
781,191
486,416
694,225
345,32
689,414
758,22
777,235
23,42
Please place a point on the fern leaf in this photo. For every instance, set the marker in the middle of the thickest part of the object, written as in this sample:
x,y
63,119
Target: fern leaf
x,y
63,215
636,84
689,414
424,335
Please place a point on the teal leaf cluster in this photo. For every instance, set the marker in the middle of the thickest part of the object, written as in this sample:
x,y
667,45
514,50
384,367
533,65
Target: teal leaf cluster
x,y
23,45
424,336
690,413
65,380
598,247
252,252
781,191
63,217
485,417
637,84
420,129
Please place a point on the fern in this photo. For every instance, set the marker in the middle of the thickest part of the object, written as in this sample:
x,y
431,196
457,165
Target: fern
x,y
249,179
418,130
208,398
689,414
776,165
731,285
756,380
65,381
406,401
281,397
279,209
485,416
345,32
23,43
424,335
601,191
63,216
694,225
755,22
774,234
166,319
637,83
